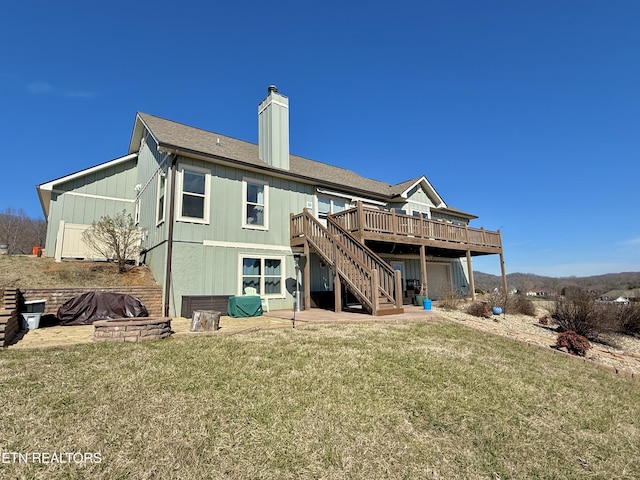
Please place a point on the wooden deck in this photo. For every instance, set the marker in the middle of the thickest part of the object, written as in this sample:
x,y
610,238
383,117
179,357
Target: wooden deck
x,y
369,278
368,224
387,232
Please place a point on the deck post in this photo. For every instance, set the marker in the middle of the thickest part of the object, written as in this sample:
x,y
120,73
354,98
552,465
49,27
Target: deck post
x,y
502,267
504,274
394,222
398,285
472,285
361,221
307,275
375,299
337,291
337,285
423,270
291,226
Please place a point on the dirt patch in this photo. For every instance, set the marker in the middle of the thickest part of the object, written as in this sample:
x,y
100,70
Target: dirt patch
x,y
28,271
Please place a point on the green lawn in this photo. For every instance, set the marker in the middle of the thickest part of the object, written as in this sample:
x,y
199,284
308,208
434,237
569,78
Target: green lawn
x,y
369,401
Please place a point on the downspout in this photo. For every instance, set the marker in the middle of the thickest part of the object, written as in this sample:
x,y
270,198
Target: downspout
x,y
172,200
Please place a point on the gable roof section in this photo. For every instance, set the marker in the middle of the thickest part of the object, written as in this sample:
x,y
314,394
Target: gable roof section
x,y
190,141
402,190
455,212
44,189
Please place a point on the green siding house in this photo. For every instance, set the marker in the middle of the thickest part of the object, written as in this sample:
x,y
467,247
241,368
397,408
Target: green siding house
x,y
218,215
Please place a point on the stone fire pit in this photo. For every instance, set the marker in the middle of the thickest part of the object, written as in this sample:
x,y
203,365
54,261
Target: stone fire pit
x,y
134,329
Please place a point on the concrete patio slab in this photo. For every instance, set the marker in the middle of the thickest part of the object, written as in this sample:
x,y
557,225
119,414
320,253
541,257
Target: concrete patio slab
x,y
60,336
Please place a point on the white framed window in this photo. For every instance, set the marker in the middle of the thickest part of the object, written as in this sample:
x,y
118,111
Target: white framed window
x,y
264,273
255,204
136,215
161,198
327,205
194,194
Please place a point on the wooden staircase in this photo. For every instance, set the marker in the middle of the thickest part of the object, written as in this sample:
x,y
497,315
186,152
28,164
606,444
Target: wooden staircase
x,y
369,278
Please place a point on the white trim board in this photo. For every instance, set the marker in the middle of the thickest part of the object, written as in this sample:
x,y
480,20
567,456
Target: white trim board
x,y
90,195
254,246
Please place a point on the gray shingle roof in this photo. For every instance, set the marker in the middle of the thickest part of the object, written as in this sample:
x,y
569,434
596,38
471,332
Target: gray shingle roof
x,y
195,141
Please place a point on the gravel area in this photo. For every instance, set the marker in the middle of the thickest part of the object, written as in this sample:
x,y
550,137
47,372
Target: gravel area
x,y
622,353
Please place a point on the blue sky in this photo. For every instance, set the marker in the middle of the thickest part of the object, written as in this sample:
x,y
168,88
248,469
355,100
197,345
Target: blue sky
x,y
524,113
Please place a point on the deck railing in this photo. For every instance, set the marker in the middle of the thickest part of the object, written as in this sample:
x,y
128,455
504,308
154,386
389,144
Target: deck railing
x,y
367,220
368,277
386,274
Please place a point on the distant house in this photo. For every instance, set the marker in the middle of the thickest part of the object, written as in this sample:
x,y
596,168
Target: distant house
x,y
621,296
532,293
218,215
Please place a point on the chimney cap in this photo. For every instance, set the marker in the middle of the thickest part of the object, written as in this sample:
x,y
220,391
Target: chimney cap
x,y
272,88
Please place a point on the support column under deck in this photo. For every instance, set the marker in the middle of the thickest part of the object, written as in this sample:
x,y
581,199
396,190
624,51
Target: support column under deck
x,y
423,270
504,274
472,285
337,292
306,280
337,284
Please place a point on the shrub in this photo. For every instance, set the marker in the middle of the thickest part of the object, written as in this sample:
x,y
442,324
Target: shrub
x,y
479,309
115,238
609,317
497,298
579,311
511,303
448,299
576,312
576,344
520,304
631,319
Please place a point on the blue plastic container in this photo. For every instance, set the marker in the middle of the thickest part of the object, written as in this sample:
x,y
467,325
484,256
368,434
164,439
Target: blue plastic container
x,y
426,304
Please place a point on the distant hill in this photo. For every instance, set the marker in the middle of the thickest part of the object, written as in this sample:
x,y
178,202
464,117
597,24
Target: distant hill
x,y
526,282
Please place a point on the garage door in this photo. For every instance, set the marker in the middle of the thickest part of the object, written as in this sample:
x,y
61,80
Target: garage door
x,y
438,279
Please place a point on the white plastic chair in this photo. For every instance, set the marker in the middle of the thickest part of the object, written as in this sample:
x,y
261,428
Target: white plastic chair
x,y
251,291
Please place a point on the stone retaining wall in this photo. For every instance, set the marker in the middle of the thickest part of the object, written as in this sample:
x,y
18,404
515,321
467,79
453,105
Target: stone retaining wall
x,y
150,296
9,322
132,329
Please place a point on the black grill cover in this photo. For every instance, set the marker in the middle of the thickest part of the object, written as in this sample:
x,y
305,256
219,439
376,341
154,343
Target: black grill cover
x,y
91,306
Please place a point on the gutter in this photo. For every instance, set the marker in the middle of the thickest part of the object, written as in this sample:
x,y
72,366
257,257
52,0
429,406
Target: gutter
x,y
169,259
276,172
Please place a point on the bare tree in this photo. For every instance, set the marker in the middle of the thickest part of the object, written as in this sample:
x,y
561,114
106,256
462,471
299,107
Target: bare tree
x,y
20,232
116,238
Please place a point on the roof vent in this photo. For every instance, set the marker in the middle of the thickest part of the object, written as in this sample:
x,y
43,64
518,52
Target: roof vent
x,y
273,88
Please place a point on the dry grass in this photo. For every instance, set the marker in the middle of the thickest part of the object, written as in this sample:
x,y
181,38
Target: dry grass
x,y
26,271
368,401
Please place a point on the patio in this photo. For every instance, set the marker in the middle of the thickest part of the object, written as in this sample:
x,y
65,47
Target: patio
x,y
60,336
